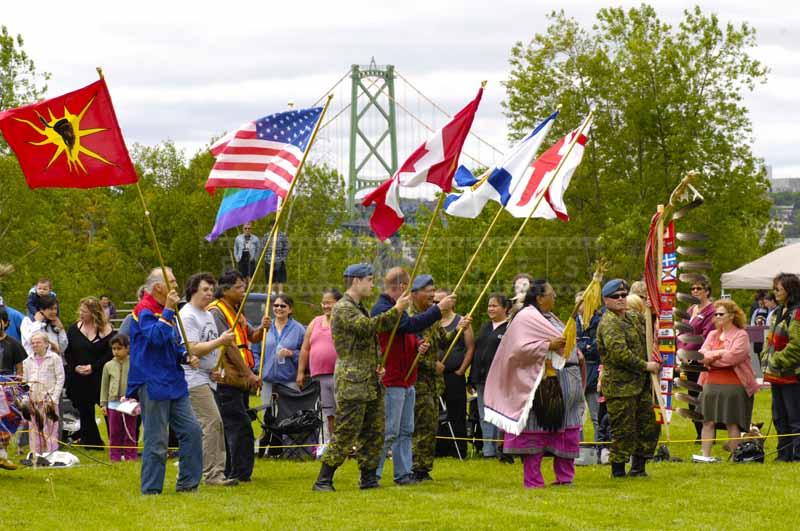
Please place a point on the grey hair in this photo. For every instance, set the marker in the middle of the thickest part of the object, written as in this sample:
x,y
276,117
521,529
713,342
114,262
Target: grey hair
x,y
156,276
43,334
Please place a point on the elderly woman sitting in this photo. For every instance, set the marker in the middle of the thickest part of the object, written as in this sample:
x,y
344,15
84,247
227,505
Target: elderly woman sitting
x,y
729,384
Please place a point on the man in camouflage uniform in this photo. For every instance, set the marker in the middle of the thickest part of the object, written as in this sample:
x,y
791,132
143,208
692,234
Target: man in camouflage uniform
x,y
430,382
359,397
626,383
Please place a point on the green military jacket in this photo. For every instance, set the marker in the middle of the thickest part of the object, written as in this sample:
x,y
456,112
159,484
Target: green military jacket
x,y
358,353
622,344
439,339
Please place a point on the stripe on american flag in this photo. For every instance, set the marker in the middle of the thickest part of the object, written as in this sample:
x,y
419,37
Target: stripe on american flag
x,y
245,161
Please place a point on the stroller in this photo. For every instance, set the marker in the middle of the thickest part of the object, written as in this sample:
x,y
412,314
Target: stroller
x,y
474,431
295,419
446,445
70,421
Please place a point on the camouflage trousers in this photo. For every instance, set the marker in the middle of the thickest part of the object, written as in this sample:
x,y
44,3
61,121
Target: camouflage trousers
x,y
359,423
426,425
634,430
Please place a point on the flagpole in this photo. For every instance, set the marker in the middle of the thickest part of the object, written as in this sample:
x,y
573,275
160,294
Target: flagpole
x,y
521,228
158,251
488,230
414,273
419,257
274,242
278,217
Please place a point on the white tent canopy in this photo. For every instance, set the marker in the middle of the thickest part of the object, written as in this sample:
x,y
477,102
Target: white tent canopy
x,y
759,273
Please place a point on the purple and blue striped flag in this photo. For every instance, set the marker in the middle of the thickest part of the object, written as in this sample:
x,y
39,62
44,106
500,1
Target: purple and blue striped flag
x,y
240,206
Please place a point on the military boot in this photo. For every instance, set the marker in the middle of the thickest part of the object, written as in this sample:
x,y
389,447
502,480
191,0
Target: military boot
x,y
422,475
637,467
325,479
369,479
618,470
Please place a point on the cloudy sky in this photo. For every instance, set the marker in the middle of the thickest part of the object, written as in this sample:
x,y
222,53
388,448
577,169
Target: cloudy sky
x,y
187,71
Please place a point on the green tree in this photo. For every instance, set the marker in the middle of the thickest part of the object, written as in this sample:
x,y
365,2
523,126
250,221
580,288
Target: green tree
x,y
20,83
667,99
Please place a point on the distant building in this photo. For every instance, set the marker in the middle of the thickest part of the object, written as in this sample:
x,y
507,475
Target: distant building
x,y
791,184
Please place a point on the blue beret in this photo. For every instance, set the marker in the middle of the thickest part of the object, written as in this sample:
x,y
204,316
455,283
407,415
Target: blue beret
x,y
421,281
612,286
358,270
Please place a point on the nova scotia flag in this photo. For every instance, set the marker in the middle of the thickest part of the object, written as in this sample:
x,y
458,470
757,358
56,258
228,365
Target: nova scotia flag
x,y
499,183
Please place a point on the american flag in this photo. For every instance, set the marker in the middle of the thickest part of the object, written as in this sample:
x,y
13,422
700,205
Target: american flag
x,y
263,154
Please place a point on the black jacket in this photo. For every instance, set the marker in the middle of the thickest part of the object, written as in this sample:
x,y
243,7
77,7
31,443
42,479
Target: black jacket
x,y
486,344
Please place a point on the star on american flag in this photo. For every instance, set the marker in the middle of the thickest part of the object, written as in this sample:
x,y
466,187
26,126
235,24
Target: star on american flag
x,y
264,153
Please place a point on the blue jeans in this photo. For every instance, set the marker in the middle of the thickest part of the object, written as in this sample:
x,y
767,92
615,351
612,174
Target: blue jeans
x,y
157,417
399,406
488,430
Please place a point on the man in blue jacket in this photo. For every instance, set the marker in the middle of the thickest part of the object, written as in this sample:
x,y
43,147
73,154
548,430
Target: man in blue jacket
x,y
399,399
157,379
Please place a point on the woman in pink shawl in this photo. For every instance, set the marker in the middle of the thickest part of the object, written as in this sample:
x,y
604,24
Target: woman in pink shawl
x,y
534,393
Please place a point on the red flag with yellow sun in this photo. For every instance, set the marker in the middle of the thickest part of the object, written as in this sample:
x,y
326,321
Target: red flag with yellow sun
x,y
72,141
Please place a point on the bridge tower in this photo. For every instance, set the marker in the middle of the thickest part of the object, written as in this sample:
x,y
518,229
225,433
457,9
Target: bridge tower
x,y
371,125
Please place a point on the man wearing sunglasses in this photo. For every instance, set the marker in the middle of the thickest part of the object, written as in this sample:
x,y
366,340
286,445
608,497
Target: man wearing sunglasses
x,y
626,386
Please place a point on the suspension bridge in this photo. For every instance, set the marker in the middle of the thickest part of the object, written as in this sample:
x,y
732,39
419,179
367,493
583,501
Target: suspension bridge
x,y
376,119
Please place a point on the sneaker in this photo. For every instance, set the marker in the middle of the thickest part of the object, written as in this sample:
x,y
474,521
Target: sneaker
x,y
7,465
224,482
408,479
507,459
422,475
703,459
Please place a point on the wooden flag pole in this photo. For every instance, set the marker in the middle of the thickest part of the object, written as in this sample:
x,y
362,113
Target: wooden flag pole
x,y
266,309
488,230
413,274
417,261
519,231
158,250
278,214
162,265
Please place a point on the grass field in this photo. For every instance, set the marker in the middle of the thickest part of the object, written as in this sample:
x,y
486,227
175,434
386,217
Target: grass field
x,y
475,494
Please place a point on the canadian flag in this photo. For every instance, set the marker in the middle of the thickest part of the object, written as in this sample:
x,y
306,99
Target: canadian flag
x,y
433,162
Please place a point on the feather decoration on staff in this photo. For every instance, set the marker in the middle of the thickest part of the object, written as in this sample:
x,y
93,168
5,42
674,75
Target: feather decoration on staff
x,y
592,300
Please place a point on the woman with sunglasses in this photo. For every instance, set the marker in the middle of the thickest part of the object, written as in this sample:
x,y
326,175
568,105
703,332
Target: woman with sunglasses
x,y
782,358
729,384
284,340
701,319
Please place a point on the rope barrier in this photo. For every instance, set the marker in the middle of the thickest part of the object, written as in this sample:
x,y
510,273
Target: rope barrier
x,y
467,439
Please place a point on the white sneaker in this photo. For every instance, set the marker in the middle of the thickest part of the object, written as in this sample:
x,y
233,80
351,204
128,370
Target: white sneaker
x,y
703,459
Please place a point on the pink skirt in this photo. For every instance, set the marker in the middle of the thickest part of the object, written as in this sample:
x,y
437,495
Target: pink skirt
x,y
564,443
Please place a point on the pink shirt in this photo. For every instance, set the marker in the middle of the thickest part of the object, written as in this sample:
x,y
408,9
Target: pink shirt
x,y
321,352
735,351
